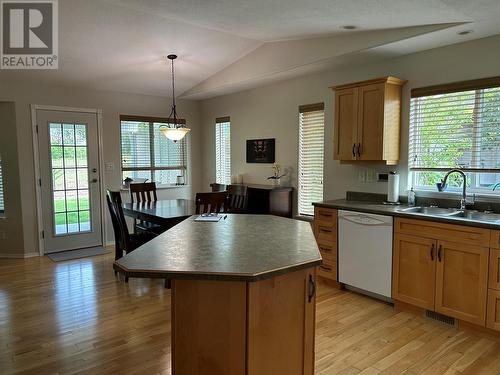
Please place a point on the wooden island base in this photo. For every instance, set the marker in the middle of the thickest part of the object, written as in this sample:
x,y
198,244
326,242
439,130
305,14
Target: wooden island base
x,y
248,328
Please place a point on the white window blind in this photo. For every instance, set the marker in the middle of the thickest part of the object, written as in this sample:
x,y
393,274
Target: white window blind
x,y
2,206
148,154
311,155
223,150
459,129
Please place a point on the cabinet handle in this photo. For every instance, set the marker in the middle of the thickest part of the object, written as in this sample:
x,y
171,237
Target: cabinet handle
x,y
325,215
439,252
312,289
325,230
359,149
325,249
354,149
432,252
328,269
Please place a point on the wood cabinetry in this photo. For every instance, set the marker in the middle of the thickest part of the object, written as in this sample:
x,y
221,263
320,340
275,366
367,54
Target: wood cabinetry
x,y
249,328
493,316
493,312
325,230
367,120
442,267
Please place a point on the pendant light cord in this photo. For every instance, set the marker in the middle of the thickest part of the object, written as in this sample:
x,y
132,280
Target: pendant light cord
x,y
174,110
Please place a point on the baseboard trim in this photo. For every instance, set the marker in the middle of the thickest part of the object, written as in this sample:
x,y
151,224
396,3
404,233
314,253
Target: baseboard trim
x,y
19,256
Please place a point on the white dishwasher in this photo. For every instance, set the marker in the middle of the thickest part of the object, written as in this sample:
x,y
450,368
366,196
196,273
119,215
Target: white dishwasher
x,y
365,252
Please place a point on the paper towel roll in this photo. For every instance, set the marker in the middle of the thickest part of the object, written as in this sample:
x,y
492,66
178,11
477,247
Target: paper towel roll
x,y
393,187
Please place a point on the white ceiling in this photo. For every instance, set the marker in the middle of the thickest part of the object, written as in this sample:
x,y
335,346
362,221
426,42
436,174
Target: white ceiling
x,y
230,45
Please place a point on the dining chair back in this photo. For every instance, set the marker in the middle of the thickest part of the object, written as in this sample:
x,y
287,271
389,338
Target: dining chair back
x,y
122,236
214,202
144,192
237,198
218,187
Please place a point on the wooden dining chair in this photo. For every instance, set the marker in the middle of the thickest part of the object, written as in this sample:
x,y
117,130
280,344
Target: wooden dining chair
x,y
144,192
218,187
125,242
237,198
214,202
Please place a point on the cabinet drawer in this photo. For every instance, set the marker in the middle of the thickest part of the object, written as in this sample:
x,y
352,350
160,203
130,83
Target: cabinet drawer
x,y
448,232
325,216
493,315
328,251
328,271
494,279
325,234
495,239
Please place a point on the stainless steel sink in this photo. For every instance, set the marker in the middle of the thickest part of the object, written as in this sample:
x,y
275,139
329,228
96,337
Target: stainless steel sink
x,y
434,211
478,216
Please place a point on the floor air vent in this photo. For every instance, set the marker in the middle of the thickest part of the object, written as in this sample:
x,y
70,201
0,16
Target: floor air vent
x,y
448,320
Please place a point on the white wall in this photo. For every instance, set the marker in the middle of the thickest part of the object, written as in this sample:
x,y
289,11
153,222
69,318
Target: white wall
x,y
272,111
112,104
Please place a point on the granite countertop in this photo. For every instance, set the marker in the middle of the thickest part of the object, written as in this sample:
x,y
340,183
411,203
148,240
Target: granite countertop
x,y
382,209
239,248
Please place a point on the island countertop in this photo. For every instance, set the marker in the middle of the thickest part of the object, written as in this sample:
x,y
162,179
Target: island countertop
x,y
238,248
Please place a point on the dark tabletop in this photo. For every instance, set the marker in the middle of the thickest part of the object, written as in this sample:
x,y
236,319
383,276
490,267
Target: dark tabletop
x,y
240,248
160,211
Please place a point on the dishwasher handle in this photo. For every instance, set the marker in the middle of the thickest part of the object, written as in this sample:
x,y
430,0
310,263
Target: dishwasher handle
x,y
364,220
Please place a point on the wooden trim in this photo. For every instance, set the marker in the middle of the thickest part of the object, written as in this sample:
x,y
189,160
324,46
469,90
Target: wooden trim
x,y
495,239
164,120
388,79
492,315
218,120
311,107
447,88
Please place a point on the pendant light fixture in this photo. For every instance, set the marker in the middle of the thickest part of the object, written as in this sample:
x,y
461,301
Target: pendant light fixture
x,y
178,131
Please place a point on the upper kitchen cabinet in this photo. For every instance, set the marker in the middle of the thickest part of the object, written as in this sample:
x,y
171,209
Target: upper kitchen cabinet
x,y
367,120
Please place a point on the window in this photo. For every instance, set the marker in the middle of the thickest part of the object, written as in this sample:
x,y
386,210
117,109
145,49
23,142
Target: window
x,y
2,206
311,146
147,154
223,150
456,127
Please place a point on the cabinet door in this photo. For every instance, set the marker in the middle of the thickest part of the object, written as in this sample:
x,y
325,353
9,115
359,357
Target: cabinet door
x,y
414,270
280,326
345,127
494,282
493,319
462,281
370,134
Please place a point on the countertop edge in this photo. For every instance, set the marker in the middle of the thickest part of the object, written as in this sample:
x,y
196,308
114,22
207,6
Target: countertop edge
x,y
344,205
188,275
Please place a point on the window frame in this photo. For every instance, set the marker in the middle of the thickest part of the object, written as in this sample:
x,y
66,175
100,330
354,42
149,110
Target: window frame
x,y
471,85
304,109
151,121
218,122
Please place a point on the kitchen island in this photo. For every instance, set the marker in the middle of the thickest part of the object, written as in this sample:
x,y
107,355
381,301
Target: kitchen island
x,y
243,293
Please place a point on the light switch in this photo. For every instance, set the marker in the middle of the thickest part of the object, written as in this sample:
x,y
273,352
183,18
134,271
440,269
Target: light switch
x,y
109,166
361,176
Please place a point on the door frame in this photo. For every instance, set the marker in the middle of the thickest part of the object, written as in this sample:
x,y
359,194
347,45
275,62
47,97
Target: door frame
x,y
36,159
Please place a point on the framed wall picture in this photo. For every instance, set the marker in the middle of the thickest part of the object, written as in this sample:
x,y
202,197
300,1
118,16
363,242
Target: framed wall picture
x,y
261,150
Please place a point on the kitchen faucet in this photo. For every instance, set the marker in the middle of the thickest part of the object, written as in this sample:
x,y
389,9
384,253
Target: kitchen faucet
x,y
495,186
441,186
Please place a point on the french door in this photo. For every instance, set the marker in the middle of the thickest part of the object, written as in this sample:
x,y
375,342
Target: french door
x,y
70,186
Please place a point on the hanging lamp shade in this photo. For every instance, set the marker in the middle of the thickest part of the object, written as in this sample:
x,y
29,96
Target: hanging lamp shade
x,y
177,131
175,134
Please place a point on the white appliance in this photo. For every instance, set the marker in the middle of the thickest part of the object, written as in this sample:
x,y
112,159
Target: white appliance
x,y
365,252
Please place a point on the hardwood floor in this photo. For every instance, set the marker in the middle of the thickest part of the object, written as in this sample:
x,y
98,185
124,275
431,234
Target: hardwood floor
x,y
76,317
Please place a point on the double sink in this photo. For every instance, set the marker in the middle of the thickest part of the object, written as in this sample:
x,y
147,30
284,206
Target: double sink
x,y
453,212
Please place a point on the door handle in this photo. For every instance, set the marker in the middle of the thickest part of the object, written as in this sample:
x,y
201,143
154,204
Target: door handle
x,y
311,289
432,252
439,252
354,149
359,149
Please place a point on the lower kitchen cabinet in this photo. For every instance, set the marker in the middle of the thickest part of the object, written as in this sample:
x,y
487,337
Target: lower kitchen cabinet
x,y
462,281
434,273
493,315
414,270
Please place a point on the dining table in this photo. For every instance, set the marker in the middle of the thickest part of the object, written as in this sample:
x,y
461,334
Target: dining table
x,y
166,213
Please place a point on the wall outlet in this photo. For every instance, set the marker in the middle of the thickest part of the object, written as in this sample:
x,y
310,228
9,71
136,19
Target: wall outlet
x,y
362,176
370,176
